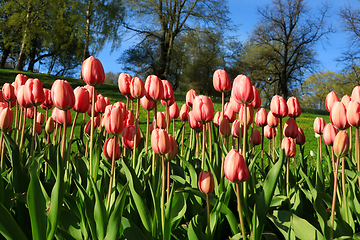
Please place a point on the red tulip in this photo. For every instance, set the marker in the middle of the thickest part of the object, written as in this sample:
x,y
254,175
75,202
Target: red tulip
x,y
319,125
203,109
107,100
261,117
329,134
341,144
229,112
173,148
206,182
137,88
161,122
19,81
235,168
128,136
62,95
58,116
147,104
249,114
330,99
278,107
294,109
237,129
160,141
234,104
154,88
269,132
122,106
338,116
108,149
90,90
168,91
221,81
8,92
21,98
96,113
33,92
113,119
38,128
49,126
255,139
256,102
290,128
224,128
87,128
217,119
190,96
30,112
40,118
242,89
93,72
100,104
194,124
353,113
6,119
129,119
47,104
174,111
355,95
124,82
346,100
82,100
272,121
185,109
300,138
288,144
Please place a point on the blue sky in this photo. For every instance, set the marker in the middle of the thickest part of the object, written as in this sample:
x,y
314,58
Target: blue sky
x,y
244,14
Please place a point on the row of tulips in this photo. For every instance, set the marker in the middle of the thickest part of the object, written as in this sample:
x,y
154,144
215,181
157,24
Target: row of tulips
x,y
115,187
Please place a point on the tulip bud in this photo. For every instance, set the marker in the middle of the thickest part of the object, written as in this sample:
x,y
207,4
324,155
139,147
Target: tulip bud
x,y
21,98
108,149
224,127
278,107
272,121
93,72
185,109
122,106
147,104
82,100
87,128
329,134
237,129
338,116
124,82
49,126
346,100
235,168
249,114
197,126
319,125
160,141
269,132
261,117
113,120
330,99
62,95
190,96
107,100
33,92
255,139
8,92
341,144
154,88
40,118
168,91
137,88
353,113
203,109
290,128
38,128
6,119
221,81
229,112
174,111
173,148
206,182
234,104
294,109
91,89
20,80
300,138
47,104
256,102
355,95
129,118
161,121
100,104
242,90
30,112
288,144
129,135
217,119
96,113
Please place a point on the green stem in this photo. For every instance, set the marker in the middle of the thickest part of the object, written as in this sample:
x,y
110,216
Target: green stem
x,y
63,137
334,200
203,146
135,127
343,188
33,132
287,176
240,211
112,171
163,195
182,139
208,216
91,147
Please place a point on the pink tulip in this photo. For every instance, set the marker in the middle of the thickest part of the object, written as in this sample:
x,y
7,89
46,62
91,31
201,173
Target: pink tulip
x,y
338,116
100,104
108,149
137,88
40,118
330,99
47,104
174,111
319,125
93,72
160,141
124,82
355,95
300,138
242,90
62,95
190,96
8,92
185,109
224,128
237,129
229,112
6,119
261,117
249,114
329,134
173,148
49,126
128,136
272,121
90,90
217,119
147,104
221,81
20,80
113,119
256,102
288,144
129,119
255,139
294,109
33,92
154,88
346,100
278,107
290,128
235,168
82,100
203,109
269,132
206,182
194,124
341,144
353,113
168,91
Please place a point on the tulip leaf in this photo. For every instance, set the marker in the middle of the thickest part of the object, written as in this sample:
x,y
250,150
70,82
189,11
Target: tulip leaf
x,y
8,226
195,228
131,231
319,172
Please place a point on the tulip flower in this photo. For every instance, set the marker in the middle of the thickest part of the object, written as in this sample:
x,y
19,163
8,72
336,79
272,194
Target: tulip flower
x,y
128,136
203,109
346,100
341,144
242,89
113,120
30,113
190,96
154,88
38,128
355,95
82,100
96,113
8,92
20,80
269,132
353,113
197,126
147,104
108,149
288,144
235,168
272,121
338,116
331,98
261,117
40,118
100,104
174,111
229,112
237,129
173,148
294,109
47,104
129,119
290,128
217,119
92,91
160,123
206,182
160,141
234,104
256,102
33,92
1,97
93,72
221,81
279,107
300,138
122,106
21,98
224,127
319,125
49,126
6,119
185,109
256,137
124,82
62,95
168,91
249,114
137,88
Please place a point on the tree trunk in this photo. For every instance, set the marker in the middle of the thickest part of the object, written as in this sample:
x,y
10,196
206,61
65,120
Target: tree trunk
x,y
4,56
21,59
32,55
86,53
52,64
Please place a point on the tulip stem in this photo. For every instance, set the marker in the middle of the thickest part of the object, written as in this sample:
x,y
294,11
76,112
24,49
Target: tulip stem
x,y
2,152
22,132
343,189
182,139
55,132
112,171
357,153
320,140
135,127
167,117
245,130
46,117
273,147
72,132
287,176
92,133
226,141
210,141
64,137
163,194
19,125
147,131
334,200
208,216
350,145
197,146
168,181
280,133
173,123
203,147
262,148
34,132
240,211
16,119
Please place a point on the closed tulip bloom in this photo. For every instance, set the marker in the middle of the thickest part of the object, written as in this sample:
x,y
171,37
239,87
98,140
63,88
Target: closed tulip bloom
x,y
294,109
1,96
21,97
278,107
107,100
38,128
261,117
269,132
113,119
224,128
62,95
190,96
330,99
124,82
256,102
235,168
137,88
161,120
108,149
174,111
300,138
33,92
82,100
203,109
288,144
90,90
6,119
8,92
40,118
346,100
168,102
154,88
49,126
93,72
272,121
128,136
184,111
255,139
60,117
319,125
47,104
160,141
96,113
173,148
237,129
30,112
206,182
329,134
217,119
229,112
122,106
242,89
168,90
290,128
20,80
147,104
221,81
341,144
100,104
234,104
353,113
193,123
338,116
87,128
129,119
355,95
249,114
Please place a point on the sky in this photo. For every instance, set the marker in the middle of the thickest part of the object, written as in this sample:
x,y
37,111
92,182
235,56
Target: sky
x,y
244,14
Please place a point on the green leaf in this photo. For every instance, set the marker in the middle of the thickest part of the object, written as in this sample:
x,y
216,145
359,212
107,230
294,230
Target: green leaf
x,y
8,227
131,231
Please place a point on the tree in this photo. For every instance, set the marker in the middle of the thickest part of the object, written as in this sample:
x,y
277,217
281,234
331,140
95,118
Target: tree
x,y
161,22
288,31
111,77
